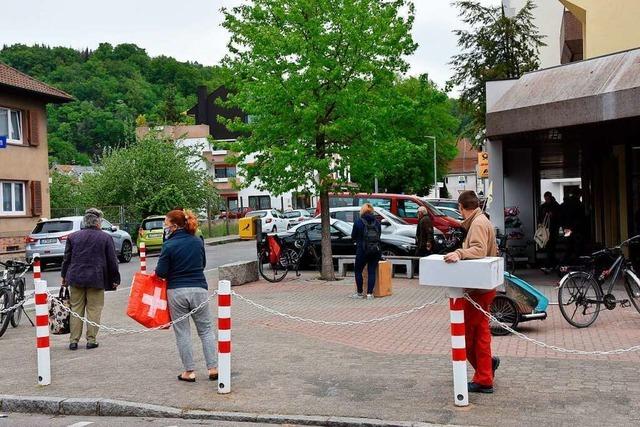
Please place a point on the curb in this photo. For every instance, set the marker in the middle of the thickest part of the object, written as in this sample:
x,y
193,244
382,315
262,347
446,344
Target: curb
x,y
121,408
222,242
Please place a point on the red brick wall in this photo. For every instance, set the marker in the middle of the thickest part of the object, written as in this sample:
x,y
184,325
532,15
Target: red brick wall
x,y
7,242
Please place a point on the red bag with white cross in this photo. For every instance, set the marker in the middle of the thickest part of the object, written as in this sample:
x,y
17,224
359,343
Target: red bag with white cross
x,y
148,303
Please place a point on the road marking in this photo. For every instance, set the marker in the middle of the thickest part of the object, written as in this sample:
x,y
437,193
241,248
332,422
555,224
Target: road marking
x,y
81,424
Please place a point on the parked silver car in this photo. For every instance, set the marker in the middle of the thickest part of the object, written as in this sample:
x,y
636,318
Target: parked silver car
x,y
391,224
49,238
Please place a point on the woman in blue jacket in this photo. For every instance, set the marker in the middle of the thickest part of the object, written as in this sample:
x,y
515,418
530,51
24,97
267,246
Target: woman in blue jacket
x,y
182,262
366,233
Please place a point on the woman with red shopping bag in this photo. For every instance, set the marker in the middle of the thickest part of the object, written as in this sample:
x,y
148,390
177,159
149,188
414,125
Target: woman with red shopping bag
x,y
181,263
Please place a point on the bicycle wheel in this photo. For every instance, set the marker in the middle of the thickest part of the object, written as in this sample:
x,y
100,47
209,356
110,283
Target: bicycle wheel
x,y
18,295
579,298
505,311
6,301
632,285
271,272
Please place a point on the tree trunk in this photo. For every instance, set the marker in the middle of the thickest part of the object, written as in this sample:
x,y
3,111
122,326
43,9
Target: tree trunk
x,y
327,259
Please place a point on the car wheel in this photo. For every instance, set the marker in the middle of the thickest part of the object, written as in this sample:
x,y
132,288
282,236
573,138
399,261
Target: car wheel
x,y
125,252
388,252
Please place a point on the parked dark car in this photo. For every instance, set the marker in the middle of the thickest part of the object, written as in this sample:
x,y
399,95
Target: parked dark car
x,y
341,241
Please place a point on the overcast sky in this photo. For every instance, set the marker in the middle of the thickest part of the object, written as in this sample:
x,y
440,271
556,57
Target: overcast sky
x,y
189,30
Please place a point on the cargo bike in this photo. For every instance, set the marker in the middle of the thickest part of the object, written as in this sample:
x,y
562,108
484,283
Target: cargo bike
x,y
518,302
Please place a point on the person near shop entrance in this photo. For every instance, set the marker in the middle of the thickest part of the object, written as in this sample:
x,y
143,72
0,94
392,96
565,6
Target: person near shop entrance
x,y
573,225
549,213
480,242
90,267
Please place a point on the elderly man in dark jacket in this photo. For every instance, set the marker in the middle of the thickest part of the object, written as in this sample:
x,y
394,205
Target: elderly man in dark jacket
x,y
90,267
424,233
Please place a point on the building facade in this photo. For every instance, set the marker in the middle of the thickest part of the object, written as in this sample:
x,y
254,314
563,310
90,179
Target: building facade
x,y
463,171
236,193
24,160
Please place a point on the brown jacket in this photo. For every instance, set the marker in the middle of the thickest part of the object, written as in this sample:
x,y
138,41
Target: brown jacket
x,y
481,237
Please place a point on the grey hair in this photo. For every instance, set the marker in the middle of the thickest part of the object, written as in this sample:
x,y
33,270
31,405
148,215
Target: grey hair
x,y
92,218
423,210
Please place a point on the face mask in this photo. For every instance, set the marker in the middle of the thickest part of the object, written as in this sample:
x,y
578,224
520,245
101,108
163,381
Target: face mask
x,y
166,232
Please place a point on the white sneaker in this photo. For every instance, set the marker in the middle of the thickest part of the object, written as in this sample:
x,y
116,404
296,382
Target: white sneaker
x,y
357,296
369,296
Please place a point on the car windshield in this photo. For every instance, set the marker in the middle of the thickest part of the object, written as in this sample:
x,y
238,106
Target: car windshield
x,y
293,214
53,227
436,211
153,224
343,226
257,214
452,204
391,217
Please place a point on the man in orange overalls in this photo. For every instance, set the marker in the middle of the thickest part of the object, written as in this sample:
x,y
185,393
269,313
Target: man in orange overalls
x,y
479,243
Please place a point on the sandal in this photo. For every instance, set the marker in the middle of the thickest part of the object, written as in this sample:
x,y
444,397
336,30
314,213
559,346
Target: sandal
x,y
190,379
213,377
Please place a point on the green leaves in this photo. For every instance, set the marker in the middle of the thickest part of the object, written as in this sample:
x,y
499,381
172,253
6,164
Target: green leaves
x,y
313,74
112,86
150,176
494,47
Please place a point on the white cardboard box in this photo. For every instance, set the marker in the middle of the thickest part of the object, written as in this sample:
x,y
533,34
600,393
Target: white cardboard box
x,y
484,273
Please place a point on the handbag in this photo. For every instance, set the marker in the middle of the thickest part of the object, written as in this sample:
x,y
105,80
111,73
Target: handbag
x,y
541,236
148,304
58,317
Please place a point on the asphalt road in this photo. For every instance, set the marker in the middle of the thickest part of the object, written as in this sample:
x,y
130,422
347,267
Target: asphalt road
x,y
15,419
216,256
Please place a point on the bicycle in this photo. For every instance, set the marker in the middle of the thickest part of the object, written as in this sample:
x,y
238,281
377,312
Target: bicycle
x,y
278,256
503,252
583,289
12,294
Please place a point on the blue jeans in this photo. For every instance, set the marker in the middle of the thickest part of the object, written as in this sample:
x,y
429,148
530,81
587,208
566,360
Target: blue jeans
x,y
372,269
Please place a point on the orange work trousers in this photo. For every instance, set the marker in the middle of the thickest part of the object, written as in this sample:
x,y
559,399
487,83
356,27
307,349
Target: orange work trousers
x,y
478,338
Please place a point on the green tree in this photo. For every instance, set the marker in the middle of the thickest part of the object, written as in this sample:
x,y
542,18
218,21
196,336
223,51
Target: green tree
x,y
66,191
495,46
420,111
150,176
314,75
112,85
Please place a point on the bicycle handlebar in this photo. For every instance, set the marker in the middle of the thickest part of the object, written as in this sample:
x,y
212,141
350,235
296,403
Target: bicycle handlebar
x,y
615,248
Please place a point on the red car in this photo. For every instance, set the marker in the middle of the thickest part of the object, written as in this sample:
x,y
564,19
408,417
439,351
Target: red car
x,y
403,205
235,213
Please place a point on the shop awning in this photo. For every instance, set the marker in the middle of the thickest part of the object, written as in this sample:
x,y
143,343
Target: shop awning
x,y
596,90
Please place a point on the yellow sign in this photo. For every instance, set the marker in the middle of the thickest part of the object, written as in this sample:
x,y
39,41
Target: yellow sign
x,y
483,165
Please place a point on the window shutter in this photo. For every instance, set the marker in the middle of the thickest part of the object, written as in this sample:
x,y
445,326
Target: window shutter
x,y
26,133
32,130
36,198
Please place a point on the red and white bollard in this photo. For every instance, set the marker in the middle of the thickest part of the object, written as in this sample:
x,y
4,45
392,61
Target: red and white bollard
x,y
42,332
458,347
224,336
142,249
37,272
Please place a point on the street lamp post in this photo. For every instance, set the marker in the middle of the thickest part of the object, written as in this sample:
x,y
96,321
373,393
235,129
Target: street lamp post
x,y
435,176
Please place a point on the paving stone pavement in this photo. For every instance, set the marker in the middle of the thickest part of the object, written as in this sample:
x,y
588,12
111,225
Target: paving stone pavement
x,y
395,370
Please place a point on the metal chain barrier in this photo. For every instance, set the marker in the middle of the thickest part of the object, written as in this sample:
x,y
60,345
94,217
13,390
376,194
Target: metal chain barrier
x,y
18,305
334,322
113,330
550,346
